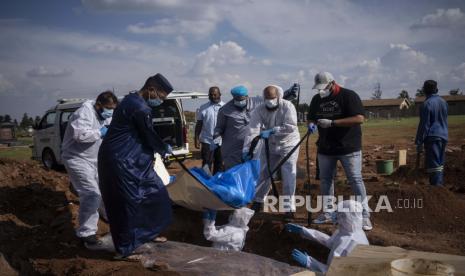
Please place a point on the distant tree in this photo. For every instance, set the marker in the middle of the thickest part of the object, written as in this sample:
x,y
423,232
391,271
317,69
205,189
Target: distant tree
x,y
404,95
24,121
378,92
15,122
37,120
1,119
455,92
7,118
420,93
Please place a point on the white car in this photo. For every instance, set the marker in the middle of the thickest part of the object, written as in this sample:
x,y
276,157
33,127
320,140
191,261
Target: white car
x,y
168,121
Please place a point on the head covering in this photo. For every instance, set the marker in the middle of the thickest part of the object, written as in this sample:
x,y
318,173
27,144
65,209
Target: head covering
x,y
322,80
280,90
158,80
430,87
349,215
239,91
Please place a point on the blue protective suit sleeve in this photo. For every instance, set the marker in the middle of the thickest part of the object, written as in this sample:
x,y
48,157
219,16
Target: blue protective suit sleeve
x,y
143,123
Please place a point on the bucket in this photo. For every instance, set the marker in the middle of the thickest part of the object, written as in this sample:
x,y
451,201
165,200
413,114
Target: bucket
x,y
417,267
384,167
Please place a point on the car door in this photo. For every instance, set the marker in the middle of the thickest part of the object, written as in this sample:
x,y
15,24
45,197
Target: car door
x,y
179,96
45,135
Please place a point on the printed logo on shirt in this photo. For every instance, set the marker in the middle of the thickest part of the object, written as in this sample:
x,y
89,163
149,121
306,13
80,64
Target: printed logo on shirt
x,y
329,109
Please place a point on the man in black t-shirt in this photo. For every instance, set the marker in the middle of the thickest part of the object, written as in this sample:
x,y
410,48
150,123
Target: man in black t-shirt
x,y
338,113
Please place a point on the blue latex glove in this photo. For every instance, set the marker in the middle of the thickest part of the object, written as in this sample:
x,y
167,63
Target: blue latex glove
x,y
103,131
312,128
245,156
293,228
420,148
265,134
300,257
209,214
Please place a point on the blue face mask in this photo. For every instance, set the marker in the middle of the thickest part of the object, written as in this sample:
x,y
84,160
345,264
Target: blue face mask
x,y
106,113
241,104
154,102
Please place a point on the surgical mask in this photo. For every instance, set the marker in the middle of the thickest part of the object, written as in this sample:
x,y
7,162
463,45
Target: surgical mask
x,y
324,92
154,102
240,104
106,113
271,103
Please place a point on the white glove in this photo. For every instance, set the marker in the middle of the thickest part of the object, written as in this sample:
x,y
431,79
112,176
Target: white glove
x,y
217,141
325,123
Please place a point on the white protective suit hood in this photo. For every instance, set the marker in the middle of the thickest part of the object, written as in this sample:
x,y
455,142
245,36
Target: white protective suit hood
x,y
232,235
241,217
349,216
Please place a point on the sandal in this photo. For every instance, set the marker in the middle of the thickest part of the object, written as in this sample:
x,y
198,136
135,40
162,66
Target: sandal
x,y
160,239
130,258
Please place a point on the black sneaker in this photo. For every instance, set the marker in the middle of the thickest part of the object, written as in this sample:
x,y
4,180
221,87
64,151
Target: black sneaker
x,y
90,240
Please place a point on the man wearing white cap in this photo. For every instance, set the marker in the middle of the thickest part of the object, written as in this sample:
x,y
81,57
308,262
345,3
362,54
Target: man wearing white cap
x,y
338,113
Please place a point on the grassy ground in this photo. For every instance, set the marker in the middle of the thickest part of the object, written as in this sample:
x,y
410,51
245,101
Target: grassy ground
x,y
374,132
20,152
403,130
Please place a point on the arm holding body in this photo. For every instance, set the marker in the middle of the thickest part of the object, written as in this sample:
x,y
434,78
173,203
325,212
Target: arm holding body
x,y
143,123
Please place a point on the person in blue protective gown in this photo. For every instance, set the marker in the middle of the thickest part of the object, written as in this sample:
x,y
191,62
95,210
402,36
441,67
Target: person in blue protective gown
x,y
432,133
137,203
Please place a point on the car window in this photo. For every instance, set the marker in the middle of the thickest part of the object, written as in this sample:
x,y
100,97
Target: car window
x,y
65,116
48,120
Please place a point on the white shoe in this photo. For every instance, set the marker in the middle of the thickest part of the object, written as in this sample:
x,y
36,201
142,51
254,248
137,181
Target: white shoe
x,y
367,226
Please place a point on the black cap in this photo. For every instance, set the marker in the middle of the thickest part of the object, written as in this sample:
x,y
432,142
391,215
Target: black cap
x,y
430,87
158,80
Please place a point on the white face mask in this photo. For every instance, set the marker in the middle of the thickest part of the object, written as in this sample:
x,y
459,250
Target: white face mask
x,y
271,103
240,104
324,93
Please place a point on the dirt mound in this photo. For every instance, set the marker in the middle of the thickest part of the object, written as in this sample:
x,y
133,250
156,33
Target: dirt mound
x,y
38,214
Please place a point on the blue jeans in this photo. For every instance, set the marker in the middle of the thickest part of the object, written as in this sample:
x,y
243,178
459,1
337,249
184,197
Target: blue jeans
x,y
352,164
435,148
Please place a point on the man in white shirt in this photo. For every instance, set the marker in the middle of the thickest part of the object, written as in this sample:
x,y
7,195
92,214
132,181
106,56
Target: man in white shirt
x,y
206,122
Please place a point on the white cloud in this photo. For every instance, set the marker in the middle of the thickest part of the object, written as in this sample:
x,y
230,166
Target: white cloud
x,y
458,73
109,47
6,86
443,18
125,5
167,26
224,53
42,71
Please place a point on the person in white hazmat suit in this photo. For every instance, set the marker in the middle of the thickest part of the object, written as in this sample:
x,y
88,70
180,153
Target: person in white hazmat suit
x,y
276,120
348,234
230,236
84,133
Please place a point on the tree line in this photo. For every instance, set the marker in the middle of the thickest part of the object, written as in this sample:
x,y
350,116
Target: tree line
x,y
25,123
377,93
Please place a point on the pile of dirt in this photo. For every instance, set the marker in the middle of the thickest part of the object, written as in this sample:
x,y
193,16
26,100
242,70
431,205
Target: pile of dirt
x,y
38,214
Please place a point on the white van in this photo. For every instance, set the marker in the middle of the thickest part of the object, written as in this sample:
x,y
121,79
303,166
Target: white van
x,y
168,121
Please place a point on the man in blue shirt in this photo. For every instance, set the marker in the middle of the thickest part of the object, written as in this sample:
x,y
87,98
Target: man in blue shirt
x,y
433,132
204,129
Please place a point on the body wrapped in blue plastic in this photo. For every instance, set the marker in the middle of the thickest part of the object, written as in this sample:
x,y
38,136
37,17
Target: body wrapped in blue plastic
x,y
227,190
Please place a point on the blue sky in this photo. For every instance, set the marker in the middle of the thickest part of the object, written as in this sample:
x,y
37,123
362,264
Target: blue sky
x,y
62,49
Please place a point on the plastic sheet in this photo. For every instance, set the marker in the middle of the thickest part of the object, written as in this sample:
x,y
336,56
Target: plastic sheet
x,y
236,186
188,259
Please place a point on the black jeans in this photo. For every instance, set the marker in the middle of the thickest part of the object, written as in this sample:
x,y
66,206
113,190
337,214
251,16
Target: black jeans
x,y
212,158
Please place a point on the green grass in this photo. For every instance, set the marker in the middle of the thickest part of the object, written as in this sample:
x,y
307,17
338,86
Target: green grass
x,y
18,153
